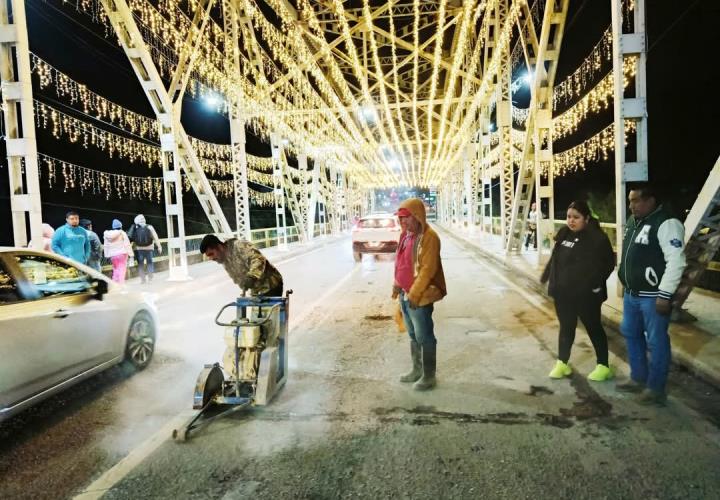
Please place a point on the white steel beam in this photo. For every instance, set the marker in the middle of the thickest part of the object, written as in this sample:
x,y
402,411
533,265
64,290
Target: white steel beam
x,y
18,116
237,123
537,149
279,190
702,235
177,151
628,44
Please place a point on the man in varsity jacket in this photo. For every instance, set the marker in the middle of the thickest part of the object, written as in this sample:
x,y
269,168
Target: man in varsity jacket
x,y
653,260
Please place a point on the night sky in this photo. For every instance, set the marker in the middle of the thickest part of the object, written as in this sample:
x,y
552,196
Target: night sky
x,y
683,109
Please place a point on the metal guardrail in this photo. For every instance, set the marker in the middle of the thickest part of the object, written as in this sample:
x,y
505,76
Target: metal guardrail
x,y
261,238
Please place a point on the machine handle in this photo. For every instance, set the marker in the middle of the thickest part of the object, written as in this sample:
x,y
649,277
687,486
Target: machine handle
x,y
243,321
217,318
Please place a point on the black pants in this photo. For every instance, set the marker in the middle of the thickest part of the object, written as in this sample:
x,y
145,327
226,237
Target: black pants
x,y
588,310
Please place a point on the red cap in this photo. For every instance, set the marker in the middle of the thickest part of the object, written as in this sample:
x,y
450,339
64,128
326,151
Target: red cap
x,y
403,212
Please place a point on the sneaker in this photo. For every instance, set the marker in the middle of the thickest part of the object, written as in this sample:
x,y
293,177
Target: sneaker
x,y
649,397
601,373
560,370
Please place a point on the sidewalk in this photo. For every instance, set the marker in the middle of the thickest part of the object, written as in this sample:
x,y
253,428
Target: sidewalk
x,y
696,345
202,271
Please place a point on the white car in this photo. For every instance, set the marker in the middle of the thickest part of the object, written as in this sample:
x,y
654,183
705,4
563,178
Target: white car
x,y
375,233
61,322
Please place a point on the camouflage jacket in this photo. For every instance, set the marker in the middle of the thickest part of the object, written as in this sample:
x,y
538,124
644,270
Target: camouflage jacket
x,y
249,268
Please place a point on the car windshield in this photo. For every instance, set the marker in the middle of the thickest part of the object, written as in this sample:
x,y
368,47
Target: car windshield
x,y
51,276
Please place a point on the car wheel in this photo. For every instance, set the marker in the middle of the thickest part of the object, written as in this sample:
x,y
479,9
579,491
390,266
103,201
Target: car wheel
x,y
357,256
140,341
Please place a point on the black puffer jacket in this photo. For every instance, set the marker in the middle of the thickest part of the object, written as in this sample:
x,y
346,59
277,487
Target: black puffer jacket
x,y
580,263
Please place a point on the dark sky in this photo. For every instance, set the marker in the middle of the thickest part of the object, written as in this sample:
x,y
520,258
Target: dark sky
x,y
683,109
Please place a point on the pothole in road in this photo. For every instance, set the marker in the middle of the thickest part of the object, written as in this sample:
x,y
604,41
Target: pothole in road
x,y
378,317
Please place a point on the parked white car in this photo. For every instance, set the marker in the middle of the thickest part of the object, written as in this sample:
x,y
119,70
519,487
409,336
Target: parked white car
x,y
375,233
61,322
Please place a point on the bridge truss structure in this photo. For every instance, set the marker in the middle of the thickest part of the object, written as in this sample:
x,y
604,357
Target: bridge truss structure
x,y
353,97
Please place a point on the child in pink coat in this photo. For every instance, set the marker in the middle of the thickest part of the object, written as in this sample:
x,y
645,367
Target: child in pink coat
x,y
117,249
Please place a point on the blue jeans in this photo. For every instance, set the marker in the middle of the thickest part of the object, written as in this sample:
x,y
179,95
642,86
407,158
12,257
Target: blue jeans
x,y
145,256
418,322
646,330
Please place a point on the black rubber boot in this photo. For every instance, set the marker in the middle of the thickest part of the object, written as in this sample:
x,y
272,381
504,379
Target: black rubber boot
x,y
416,371
427,381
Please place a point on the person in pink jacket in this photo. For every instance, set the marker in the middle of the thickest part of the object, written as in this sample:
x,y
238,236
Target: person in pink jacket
x,y
117,249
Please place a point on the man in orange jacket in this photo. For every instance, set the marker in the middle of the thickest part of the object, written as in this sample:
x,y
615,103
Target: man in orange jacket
x,y
419,283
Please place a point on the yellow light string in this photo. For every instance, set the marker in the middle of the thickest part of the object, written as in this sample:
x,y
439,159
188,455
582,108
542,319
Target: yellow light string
x,y
403,129
475,60
469,123
434,77
380,75
458,59
125,187
416,50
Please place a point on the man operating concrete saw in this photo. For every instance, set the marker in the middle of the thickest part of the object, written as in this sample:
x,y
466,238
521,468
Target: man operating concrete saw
x,y
245,264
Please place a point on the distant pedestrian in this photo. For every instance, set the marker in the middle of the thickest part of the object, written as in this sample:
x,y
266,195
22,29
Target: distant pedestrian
x,y
117,249
146,239
47,234
531,230
653,261
96,248
581,262
70,240
419,283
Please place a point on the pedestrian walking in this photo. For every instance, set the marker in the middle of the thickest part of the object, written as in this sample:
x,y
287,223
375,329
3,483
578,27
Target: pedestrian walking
x,y
96,248
581,262
117,249
653,260
419,283
71,240
47,233
146,239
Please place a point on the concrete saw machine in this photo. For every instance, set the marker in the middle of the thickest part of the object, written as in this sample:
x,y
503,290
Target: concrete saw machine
x,y
254,366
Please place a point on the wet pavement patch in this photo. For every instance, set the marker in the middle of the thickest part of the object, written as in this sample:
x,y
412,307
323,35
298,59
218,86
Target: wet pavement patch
x,y
539,390
379,317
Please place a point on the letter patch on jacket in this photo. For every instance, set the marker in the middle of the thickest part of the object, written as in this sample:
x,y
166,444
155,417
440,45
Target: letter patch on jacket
x,y
676,243
643,236
651,276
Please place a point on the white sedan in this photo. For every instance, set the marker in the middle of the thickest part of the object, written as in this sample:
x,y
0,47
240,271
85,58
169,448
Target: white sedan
x,y
375,233
61,322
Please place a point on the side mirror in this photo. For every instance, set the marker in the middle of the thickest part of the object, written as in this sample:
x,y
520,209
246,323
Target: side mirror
x,y
101,288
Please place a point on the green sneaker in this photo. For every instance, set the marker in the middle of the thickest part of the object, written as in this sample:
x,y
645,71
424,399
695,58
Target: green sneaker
x,y
601,373
561,370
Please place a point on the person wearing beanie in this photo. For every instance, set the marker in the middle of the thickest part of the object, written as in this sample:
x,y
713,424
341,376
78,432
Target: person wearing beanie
x,y
117,249
96,248
71,240
146,240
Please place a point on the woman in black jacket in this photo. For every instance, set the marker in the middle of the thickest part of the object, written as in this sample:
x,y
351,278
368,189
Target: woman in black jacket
x,y
581,263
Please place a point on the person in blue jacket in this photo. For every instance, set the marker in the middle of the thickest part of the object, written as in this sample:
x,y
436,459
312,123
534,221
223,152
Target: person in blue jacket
x,y
71,240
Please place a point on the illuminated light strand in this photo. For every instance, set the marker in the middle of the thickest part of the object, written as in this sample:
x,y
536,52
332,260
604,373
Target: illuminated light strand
x,y
416,50
89,181
362,77
574,85
434,77
458,58
91,103
466,88
470,120
62,125
403,129
380,75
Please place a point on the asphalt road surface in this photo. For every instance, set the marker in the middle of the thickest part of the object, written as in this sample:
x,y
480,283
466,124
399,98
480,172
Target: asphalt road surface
x,y
344,427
